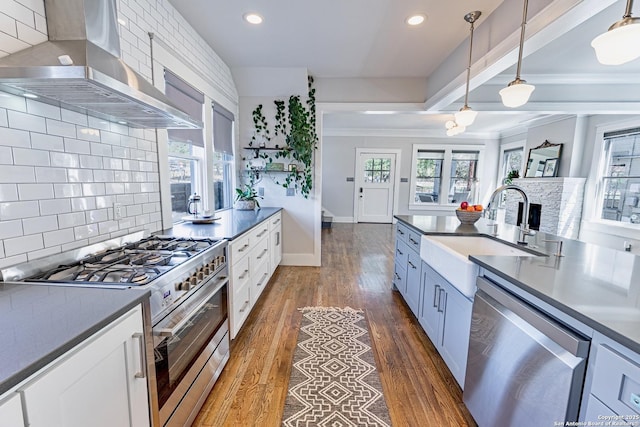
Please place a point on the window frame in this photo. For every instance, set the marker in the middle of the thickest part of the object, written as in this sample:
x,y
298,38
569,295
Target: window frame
x,y
445,177
504,148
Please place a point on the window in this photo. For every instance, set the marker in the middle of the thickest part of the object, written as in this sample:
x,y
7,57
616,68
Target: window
x,y
222,157
186,147
443,175
377,170
620,182
428,176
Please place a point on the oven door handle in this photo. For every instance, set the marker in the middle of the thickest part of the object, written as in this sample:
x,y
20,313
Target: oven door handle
x,y
169,332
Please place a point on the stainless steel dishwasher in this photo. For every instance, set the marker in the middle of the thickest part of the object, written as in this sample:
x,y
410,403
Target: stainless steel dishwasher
x,y
523,368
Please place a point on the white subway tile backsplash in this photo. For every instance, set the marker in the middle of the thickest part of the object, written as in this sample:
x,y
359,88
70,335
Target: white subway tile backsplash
x,y
42,141
17,210
132,187
11,44
141,198
51,174
6,156
10,229
23,244
99,149
110,138
56,206
80,175
41,23
121,176
105,202
58,237
128,141
35,5
114,187
101,175
75,245
81,204
86,231
134,210
35,191
150,208
71,219
44,252
25,121
12,102
67,190
120,152
90,162
125,199
93,189
65,160
130,165
96,216
139,176
9,261
29,157
41,109
15,137
88,134
118,128
8,25
73,117
16,174
29,34
76,146
108,227
97,123
40,224
110,163
57,127
8,192
4,121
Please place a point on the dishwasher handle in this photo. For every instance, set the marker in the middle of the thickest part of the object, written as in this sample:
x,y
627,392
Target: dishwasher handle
x,y
567,339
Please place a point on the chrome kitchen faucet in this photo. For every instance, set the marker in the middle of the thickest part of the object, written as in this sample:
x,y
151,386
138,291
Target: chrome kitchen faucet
x,y
524,225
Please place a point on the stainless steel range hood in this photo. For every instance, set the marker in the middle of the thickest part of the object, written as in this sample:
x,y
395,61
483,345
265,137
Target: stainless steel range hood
x,y
84,35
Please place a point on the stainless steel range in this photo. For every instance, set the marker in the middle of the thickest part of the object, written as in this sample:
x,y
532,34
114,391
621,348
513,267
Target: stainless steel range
x,y
188,280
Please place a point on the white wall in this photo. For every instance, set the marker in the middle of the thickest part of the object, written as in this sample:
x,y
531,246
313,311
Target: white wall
x,y
62,171
339,161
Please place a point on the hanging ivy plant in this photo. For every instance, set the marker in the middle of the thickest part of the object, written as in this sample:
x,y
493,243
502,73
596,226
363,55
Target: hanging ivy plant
x,y
281,123
261,129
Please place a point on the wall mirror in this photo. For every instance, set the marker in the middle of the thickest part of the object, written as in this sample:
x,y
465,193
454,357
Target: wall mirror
x,y
544,160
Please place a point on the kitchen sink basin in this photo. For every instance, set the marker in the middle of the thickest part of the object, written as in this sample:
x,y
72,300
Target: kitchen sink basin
x,y
449,256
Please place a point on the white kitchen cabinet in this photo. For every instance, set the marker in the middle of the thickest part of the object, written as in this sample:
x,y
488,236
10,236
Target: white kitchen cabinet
x,y
275,240
446,318
100,383
251,266
11,410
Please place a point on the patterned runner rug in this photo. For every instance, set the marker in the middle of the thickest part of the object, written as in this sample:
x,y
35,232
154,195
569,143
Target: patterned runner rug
x,y
334,381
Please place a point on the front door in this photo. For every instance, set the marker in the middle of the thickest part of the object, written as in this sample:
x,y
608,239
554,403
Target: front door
x,y
375,186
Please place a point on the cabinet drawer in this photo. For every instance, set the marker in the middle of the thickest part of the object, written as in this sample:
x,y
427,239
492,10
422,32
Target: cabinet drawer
x,y
596,410
239,247
402,253
400,277
616,381
258,256
259,281
275,221
259,232
414,240
402,232
240,273
241,307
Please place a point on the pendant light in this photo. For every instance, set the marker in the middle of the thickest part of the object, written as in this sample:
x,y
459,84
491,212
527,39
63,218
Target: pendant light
x,y
517,93
454,128
466,115
621,43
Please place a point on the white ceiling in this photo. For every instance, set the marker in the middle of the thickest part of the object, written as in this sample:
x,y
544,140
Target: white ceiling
x,y
369,39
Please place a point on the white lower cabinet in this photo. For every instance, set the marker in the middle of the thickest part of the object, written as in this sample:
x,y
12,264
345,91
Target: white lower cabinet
x,y
254,256
102,382
445,316
11,411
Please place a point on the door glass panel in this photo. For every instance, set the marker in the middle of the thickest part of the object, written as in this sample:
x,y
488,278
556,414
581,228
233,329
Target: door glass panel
x,y
377,170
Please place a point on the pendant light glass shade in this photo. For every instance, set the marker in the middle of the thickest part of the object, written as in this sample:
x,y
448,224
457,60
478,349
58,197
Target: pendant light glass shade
x,y
465,116
517,93
620,44
454,128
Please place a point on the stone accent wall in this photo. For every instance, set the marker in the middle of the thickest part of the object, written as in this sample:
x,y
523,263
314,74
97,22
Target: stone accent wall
x,y
561,200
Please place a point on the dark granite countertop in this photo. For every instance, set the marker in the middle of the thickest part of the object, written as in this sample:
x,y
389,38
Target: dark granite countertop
x,y
232,223
40,323
597,286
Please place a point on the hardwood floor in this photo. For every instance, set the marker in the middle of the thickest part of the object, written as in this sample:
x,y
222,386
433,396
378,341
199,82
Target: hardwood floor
x,y
357,266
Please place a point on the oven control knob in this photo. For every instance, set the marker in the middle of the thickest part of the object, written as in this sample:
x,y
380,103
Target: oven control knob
x,y
200,275
193,281
206,270
178,286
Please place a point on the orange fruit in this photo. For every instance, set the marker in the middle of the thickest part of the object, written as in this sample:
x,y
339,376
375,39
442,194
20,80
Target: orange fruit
x,y
478,207
470,208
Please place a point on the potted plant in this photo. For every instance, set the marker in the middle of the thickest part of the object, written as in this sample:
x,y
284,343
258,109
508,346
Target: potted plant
x,y
247,198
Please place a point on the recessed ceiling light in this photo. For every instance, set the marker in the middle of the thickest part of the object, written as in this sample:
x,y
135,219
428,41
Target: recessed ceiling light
x,y
253,18
416,20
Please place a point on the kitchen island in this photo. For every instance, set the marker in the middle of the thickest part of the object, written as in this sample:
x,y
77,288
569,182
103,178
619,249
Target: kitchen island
x,y
590,292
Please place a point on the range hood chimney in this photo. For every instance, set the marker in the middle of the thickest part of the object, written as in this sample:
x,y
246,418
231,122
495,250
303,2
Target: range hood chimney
x,y
79,68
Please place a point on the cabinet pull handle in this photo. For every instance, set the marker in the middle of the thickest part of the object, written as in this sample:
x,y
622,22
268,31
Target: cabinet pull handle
x,y
440,299
276,221
242,249
413,241
264,251
244,307
436,296
244,274
411,264
143,364
262,233
397,275
261,280
277,238
399,251
400,232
